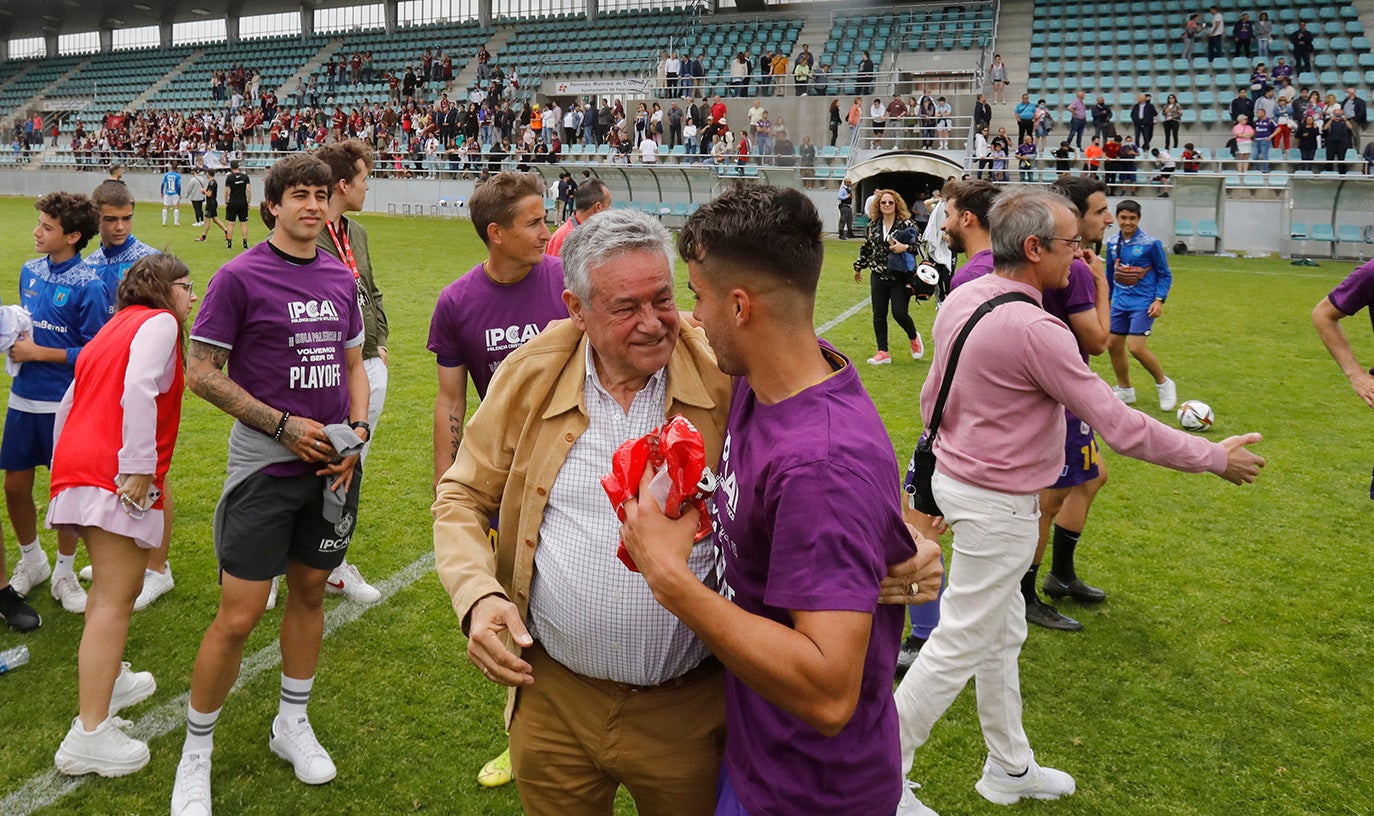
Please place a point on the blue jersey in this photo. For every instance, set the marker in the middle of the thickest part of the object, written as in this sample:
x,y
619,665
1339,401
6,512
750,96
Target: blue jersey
x,y
113,263
171,183
68,305
1143,250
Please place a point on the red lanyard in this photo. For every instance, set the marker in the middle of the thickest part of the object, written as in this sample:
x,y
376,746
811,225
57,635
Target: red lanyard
x,y
345,250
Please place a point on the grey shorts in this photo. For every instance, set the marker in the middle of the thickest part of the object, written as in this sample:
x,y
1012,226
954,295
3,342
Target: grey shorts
x,y
270,520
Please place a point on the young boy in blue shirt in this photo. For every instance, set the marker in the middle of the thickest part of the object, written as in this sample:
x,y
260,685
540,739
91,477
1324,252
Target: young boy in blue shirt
x,y
68,304
1139,276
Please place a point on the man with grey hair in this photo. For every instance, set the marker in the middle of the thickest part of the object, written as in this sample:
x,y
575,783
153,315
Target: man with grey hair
x,y
999,442
553,602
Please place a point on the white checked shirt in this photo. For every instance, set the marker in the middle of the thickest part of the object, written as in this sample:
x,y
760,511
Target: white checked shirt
x,y
588,611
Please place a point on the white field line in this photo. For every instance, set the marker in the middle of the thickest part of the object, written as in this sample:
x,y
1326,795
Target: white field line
x,y
46,788
842,317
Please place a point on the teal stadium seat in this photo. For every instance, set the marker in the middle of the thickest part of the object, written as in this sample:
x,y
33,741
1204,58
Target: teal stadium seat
x,y
1183,228
1298,232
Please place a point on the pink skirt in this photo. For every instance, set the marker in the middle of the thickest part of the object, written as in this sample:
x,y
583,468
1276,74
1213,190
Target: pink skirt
x,y
78,507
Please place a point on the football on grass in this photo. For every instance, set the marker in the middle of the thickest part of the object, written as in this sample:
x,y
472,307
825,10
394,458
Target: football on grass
x,y
1195,416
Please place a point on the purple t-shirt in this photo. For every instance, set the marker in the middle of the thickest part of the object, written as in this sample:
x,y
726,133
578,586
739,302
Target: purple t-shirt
x,y
1355,292
976,267
1079,296
808,518
478,322
286,326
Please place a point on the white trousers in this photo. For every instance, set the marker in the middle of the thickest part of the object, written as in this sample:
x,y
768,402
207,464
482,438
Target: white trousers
x,y
982,623
376,397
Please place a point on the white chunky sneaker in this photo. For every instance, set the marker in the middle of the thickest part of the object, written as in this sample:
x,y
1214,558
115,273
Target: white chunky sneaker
x,y
294,741
1168,395
272,594
347,581
909,805
29,573
1001,788
107,750
191,792
68,591
155,585
131,688
1126,395
85,574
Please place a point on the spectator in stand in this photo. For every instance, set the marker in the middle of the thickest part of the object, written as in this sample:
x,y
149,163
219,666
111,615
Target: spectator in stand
x,y
780,73
806,160
1111,151
1025,118
834,118
765,73
1259,80
1215,32
867,76
1264,139
1243,35
1025,159
1356,114
1173,117
1102,117
1063,158
1078,119
854,117
820,79
982,113
878,115
1264,35
1192,29
999,80
1127,162
739,75
1242,105
1283,125
1302,45
1042,122
1143,116
1192,159
944,121
1283,71
1338,139
1244,134
1307,135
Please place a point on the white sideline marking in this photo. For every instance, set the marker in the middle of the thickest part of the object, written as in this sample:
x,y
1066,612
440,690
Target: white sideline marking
x,y
46,788
842,317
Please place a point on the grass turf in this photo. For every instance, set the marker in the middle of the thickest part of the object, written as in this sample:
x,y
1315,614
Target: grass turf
x,y
1227,673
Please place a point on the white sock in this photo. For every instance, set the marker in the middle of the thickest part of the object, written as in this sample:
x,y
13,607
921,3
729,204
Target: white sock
x,y
64,564
164,216
295,695
176,217
200,731
32,552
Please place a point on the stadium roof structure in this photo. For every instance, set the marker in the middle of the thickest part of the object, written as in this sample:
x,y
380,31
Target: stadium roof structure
x,y
20,19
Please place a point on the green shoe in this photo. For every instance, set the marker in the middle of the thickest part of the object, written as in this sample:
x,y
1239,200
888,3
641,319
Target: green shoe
x,y
497,772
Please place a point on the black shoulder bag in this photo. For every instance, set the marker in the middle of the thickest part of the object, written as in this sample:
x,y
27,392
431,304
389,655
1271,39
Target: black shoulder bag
x,y
923,459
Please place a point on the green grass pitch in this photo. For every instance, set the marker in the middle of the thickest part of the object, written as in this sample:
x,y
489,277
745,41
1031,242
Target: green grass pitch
x,y
1228,673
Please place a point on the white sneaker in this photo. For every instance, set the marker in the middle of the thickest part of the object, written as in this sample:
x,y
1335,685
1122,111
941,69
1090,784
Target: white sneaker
x,y
1168,395
85,574
346,580
272,593
29,573
155,585
1126,395
107,750
1001,788
191,792
67,589
131,688
909,805
294,741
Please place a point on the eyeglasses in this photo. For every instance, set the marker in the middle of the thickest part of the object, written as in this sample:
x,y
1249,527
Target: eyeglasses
x,y
1073,242
188,286
887,203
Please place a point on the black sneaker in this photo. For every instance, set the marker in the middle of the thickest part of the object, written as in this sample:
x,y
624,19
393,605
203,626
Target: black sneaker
x,y
906,658
1042,614
1056,587
19,615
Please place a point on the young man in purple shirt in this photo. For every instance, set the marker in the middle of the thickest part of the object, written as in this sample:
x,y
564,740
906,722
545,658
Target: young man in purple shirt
x,y
285,319
809,652
1354,293
495,307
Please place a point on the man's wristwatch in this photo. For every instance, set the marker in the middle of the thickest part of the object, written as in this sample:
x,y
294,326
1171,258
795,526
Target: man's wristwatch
x,y
361,424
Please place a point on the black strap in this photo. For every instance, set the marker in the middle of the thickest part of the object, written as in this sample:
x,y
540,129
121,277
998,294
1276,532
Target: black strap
x,y
977,315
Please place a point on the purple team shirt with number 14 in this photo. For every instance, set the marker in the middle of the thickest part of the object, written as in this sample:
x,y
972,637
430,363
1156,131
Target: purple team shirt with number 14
x,y
808,518
478,322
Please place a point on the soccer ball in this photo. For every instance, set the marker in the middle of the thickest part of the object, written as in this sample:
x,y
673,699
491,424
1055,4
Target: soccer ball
x,y
1195,416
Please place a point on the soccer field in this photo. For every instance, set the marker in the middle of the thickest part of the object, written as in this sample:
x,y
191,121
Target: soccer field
x,y
1228,673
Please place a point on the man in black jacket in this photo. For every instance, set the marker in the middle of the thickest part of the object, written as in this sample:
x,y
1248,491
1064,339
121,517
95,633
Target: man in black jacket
x,y
1242,105
982,112
1143,117
1102,116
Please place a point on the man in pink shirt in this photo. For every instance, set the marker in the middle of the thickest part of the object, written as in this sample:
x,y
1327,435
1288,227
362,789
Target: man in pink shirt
x,y
1001,440
592,197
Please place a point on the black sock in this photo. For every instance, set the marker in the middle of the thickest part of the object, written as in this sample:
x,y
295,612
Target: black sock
x,y
1028,584
1065,541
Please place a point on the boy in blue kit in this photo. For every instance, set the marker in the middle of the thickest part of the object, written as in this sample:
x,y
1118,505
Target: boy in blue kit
x,y
118,247
171,195
68,305
1138,271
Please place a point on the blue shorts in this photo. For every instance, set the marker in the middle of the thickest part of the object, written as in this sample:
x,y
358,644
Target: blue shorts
x,y
1080,454
1132,321
28,440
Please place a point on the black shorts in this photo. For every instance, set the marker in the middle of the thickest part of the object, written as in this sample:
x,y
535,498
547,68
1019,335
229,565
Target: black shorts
x,y
270,520
211,208
236,211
